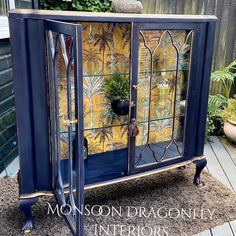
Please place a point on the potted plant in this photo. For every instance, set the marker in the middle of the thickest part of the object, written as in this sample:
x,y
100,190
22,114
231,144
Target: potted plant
x,y
116,91
228,115
224,79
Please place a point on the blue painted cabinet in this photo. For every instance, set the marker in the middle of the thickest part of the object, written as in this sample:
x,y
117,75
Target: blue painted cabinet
x,y
102,98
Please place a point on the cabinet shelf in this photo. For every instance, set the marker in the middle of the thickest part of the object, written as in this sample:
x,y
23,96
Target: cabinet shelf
x,y
126,124
143,72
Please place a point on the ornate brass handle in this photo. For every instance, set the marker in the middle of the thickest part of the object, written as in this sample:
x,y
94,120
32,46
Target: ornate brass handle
x,y
133,128
69,122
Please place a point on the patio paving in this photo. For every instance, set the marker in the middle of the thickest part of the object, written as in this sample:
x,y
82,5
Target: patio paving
x,y
221,157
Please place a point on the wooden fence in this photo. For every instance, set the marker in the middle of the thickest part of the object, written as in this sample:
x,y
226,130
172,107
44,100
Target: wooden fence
x,y
225,10
225,38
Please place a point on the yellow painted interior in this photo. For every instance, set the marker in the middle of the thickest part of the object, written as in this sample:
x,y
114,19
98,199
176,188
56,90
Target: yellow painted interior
x,y
101,59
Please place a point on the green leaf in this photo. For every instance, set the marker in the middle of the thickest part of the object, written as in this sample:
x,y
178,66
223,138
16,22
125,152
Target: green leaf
x,y
221,76
116,87
77,5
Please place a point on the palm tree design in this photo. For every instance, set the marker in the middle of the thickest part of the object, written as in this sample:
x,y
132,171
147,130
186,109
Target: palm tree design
x,y
94,147
117,145
107,113
104,40
163,123
145,113
118,60
152,38
110,117
143,85
126,34
156,127
93,86
103,134
183,44
92,58
182,41
169,38
124,130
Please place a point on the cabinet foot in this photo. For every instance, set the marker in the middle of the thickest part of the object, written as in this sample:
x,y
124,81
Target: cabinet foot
x,y
25,206
200,165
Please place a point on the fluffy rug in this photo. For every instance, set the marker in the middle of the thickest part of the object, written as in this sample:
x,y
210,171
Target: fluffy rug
x,y
161,204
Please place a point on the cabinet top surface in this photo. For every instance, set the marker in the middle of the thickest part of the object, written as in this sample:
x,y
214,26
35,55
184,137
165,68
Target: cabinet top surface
x,y
107,17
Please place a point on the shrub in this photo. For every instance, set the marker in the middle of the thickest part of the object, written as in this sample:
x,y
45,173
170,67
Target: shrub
x,y
229,111
76,5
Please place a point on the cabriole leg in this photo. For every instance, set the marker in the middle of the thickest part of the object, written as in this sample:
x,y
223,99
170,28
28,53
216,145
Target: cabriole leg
x,y
25,206
200,164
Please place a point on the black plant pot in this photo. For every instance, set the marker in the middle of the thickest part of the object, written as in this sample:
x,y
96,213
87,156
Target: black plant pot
x,y
218,128
120,107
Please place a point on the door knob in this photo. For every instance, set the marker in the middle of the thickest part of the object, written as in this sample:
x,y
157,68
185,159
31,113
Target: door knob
x,y
135,86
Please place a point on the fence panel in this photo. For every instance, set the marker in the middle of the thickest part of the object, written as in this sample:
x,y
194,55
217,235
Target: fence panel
x,y
225,10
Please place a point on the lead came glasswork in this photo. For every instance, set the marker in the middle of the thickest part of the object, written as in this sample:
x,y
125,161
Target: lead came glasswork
x,y
61,49
164,58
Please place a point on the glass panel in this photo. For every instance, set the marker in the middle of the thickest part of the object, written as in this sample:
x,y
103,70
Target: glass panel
x,y
65,77
62,103
106,79
106,56
61,50
23,4
3,9
164,58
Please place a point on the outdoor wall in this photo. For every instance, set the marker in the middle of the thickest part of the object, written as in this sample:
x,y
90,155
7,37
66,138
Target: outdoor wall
x,y
8,130
8,136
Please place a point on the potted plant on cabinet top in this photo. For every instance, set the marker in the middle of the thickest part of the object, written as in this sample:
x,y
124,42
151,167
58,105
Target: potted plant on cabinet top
x,y
228,115
116,90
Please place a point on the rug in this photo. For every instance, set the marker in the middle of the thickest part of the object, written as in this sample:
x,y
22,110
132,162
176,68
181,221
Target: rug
x,y
161,204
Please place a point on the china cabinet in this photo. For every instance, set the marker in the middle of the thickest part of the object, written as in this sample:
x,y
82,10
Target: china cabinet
x,y
103,98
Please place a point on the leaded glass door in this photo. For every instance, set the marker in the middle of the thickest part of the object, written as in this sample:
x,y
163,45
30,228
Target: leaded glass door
x,y
65,80
165,67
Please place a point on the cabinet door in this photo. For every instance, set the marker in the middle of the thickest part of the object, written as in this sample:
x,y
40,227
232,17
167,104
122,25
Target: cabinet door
x,y
167,62
65,78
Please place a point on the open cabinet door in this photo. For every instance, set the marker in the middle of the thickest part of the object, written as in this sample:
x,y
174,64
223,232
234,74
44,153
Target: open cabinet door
x,y
65,79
